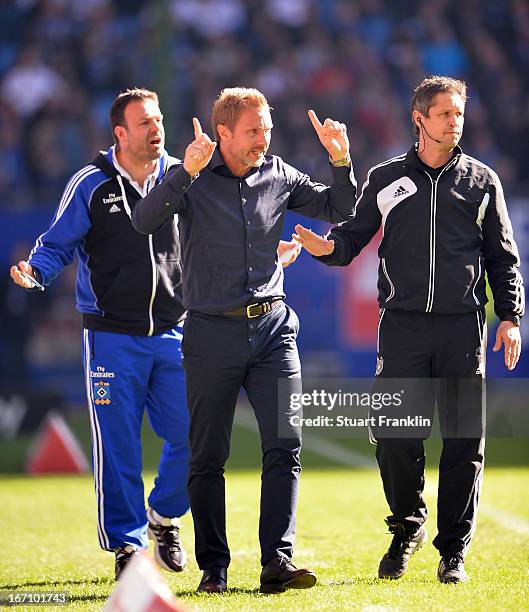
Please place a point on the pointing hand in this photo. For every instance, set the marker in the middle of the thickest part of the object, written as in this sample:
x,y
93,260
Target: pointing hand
x,y
199,152
332,135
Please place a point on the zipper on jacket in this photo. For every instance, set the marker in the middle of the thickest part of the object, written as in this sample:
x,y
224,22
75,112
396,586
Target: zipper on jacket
x,y
153,292
391,286
151,255
476,282
380,317
433,210
431,276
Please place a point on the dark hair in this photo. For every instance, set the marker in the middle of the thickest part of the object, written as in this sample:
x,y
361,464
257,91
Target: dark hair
x,y
122,100
425,92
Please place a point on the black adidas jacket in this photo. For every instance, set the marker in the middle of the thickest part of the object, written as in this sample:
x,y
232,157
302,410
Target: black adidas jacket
x,y
440,236
126,282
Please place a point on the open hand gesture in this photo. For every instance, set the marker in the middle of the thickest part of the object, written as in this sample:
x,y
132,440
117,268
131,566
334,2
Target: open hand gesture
x,y
332,135
508,334
199,152
314,244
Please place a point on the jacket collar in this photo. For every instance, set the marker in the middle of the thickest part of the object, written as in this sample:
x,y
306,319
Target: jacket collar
x,y
105,162
412,159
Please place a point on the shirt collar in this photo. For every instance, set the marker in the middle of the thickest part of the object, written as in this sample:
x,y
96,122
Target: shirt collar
x,y
144,189
217,163
216,159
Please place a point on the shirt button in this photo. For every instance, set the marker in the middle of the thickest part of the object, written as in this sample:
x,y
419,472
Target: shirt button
x,y
168,203
250,268
249,245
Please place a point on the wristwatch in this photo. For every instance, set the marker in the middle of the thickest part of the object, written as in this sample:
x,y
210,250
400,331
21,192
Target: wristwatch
x,y
345,161
513,319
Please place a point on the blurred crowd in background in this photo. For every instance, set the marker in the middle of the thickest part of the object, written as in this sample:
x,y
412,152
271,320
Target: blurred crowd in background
x,y
62,62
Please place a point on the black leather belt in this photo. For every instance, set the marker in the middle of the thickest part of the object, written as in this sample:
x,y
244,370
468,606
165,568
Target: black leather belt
x,y
251,311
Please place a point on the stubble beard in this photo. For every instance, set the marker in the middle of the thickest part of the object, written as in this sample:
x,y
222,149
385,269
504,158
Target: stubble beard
x,y
147,154
254,163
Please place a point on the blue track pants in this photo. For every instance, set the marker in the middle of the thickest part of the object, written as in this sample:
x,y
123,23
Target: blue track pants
x,y
124,376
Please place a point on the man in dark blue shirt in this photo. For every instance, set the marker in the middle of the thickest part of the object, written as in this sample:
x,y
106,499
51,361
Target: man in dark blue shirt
x,y
231,202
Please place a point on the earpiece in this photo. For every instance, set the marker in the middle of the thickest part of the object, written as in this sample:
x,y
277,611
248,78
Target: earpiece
x,y
419,124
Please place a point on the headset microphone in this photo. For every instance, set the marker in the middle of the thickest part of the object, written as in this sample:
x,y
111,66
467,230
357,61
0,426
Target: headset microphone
x,y
421,124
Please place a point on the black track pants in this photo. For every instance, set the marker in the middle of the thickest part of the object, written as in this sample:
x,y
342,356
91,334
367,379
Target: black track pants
x,y
450,347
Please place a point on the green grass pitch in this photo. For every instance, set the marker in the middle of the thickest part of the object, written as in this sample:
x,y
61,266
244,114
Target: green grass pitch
x,y
49,539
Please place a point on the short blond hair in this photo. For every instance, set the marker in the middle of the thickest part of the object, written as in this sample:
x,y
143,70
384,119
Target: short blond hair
x,y
230,104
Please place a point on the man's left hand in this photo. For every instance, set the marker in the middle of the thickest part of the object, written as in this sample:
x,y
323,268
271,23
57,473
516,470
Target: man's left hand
x,y
332,135
287,252
508,334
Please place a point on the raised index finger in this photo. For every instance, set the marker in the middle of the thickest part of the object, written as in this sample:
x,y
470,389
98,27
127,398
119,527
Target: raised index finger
x,y
197,127
316,124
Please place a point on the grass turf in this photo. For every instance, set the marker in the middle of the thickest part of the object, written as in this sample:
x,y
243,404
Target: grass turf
x,y
49,543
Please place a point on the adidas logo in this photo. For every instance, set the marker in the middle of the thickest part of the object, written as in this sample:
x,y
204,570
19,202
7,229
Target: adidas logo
x,y
400,192
114,209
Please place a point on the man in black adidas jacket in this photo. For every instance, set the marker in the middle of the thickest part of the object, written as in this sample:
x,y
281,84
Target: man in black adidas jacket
x,y
445,224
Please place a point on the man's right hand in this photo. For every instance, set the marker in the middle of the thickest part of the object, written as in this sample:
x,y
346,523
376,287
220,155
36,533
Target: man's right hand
x,y
199,152
18,278
314,244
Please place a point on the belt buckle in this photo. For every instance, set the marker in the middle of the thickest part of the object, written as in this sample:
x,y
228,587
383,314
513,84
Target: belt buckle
x,y
248,313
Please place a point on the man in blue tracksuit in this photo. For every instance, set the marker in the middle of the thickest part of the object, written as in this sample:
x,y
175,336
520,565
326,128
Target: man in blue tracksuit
x,y
128,291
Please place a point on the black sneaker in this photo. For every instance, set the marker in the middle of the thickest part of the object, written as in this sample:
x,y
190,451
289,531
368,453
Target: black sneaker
x,y
123,556
168,550
279,574
394,563
452,569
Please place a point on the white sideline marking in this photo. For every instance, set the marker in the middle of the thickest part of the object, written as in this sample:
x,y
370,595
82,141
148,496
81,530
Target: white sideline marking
x,y
329,450
506,520
324,448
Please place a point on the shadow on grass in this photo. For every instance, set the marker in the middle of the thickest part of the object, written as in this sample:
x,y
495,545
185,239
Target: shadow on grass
x,y
373,581
230,591
89,598
55,583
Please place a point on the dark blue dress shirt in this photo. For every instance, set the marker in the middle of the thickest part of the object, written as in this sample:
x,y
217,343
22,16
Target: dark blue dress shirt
x,y
230,226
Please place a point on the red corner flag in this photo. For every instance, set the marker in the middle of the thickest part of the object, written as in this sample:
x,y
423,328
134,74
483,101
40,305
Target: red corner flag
x,y
55,450
141,588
